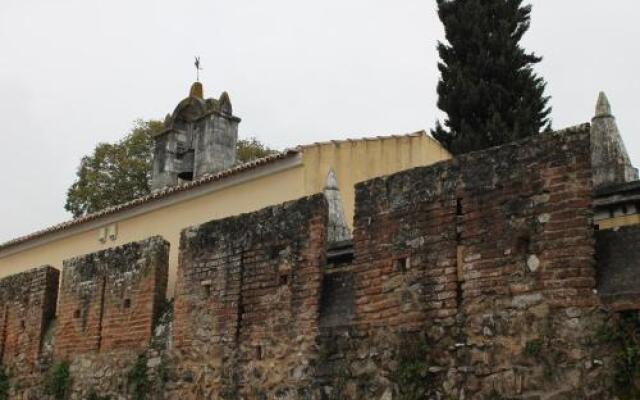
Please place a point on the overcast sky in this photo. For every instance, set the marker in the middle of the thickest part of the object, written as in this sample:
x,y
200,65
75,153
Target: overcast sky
x,y
77,72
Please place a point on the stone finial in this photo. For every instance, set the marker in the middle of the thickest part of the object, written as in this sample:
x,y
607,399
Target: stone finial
x,y
332,182
603,108
338,229
196,90
610,161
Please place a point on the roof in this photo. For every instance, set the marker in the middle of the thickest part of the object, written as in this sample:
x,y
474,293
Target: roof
x,y
369,139
154,196
617,194
207,179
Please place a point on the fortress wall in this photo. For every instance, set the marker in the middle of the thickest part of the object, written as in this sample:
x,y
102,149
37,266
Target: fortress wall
x,y
474,278
27,306
478,273
247,303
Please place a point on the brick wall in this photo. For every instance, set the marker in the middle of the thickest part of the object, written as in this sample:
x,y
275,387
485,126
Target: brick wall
x,y
27,306
618,278
474,278
109,299
247,301
481,258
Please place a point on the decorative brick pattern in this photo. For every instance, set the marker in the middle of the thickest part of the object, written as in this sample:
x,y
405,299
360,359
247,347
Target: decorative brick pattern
x,y
109,299
27,306
247,301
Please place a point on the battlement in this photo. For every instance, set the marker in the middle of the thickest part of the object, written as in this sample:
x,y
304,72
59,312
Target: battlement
x,y
457,267
109,300
27,307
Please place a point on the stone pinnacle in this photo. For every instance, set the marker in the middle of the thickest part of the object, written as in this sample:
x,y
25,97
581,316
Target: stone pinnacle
x,y
331,182
603,108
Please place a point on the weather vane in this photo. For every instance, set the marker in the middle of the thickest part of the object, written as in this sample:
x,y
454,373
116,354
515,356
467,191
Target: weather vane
x,y
198,68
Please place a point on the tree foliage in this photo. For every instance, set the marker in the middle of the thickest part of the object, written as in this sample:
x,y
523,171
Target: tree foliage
x,y
488,87
251,149
115,173
119,172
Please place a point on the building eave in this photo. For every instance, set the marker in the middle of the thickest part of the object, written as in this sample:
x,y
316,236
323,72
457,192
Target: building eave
x,y
156,200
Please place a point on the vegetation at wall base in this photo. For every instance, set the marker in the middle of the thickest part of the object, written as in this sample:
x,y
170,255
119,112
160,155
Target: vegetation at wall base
x,y
411,374
138,380
4,385
58,381
626,334
94,396
488,88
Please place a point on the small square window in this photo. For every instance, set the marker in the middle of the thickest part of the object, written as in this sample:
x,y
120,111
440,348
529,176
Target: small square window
x,y
206,288
402,264
127,303
459,207
284,279
76,314
275,252
258,352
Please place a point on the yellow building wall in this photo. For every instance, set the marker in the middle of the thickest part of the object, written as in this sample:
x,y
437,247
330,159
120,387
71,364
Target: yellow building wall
x,y
167,222
617,222
357,161
353,162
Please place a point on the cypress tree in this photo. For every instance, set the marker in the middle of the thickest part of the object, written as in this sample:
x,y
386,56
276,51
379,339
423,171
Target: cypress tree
x,y
488,87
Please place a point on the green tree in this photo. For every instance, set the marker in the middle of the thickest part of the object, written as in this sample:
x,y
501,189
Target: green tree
x,y
488,88
119,172
114,173
251,149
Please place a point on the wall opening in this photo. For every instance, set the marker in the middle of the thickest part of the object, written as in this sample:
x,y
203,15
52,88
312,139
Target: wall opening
x,y
459,210
206,288
402,264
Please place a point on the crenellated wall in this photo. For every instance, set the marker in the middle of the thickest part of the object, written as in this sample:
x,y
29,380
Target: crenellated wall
x,y
247,301
474,279
110,299
27,307
479,260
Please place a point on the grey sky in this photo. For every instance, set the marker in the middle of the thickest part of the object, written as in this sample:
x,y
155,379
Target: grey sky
x,y
77,72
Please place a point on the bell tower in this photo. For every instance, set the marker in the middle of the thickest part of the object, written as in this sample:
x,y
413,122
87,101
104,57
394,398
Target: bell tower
x,y
199,139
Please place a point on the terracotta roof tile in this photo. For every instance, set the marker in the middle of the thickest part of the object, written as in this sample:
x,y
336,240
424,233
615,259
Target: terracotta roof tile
x,y
169,191
159,194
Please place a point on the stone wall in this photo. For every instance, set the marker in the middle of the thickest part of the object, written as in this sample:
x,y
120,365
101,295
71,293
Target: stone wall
x,y
109,299
471,279
27,307
247,304
618,267
483,266
610,161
